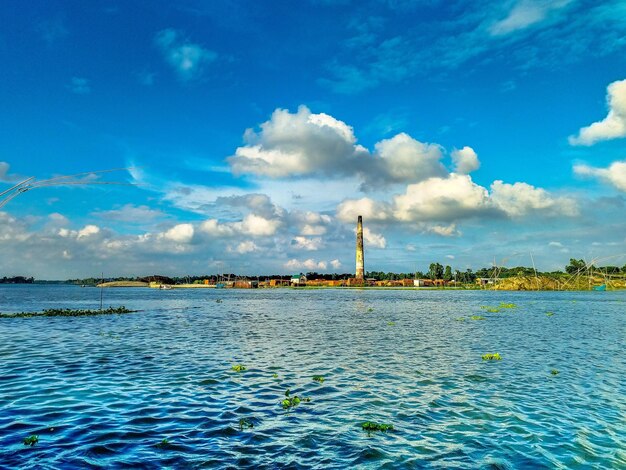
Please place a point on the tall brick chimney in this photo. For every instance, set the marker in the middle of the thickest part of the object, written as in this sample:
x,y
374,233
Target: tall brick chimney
x,y
360,262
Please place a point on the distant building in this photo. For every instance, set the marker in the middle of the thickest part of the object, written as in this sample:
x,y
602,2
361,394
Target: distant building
x,y
298,280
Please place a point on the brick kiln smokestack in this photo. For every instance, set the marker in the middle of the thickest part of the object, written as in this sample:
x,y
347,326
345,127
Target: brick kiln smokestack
x,y
360,262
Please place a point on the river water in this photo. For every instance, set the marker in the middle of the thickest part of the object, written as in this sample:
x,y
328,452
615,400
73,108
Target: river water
x,y
105,391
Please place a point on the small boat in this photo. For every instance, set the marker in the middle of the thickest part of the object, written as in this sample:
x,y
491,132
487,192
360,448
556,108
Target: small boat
x,y
600,288
164,287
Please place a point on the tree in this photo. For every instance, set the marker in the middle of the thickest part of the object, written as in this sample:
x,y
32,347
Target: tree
x,y
435,271
575,266
447,276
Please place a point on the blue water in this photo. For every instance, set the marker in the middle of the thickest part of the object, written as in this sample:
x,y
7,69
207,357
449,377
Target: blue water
x,y
104,391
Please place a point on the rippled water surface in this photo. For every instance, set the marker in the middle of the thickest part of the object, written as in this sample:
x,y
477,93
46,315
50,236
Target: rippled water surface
x,y
105,391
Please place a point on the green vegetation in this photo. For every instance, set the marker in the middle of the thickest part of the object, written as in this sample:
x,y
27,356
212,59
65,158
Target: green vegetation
x,y
370,426
554,372
275,375
31,440
245,423
391,323
549,314
490,309
370,310
477,317
238,368
505,305
318,378
292,401
68,312
492,357
164,444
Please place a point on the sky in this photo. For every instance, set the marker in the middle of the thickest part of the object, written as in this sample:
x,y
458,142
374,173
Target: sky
x,y
250,135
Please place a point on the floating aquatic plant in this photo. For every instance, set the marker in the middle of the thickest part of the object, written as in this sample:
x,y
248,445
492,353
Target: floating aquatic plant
x,y
492,357
31,440
163,444
490,309
219,301
238,368
245,423
391,323
68,312
370,309
505,305
459,319
291,401
318,378
549,314
275,375
370,426
477,317
554,372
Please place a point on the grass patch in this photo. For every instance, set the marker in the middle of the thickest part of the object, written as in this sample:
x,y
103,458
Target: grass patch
x,y
68,312
31,440
371,426
318,378
238,368
292,401
477,317
492,357
245,423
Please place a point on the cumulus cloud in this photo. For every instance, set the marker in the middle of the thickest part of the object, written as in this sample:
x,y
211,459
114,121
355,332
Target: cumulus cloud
x,y
614,175
521,199
245,247
188,59
373,240
441,199
465,160
297,144
304,144
304,243
251,224
613,125
425,205
181,233
336,264
310,264
526,13
371,210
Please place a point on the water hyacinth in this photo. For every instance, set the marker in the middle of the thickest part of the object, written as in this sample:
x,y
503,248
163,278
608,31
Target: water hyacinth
x,y
371,426
31,440
238,368
492,357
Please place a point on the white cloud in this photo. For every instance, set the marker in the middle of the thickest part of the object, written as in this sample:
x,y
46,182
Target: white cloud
x,y
526,13
310,264
251,224
444,230
181,233
371,210
404,159
80,86
520,199
297,144
336,264
613,125
87,231
187,59
373,240
615,174
245,247
465,160
310,244
451,198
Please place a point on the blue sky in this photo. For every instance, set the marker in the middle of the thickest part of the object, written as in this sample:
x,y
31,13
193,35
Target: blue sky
x,y
463,131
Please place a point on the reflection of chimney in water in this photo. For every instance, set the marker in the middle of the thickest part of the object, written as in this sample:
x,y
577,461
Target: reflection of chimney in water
x,y
360,262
